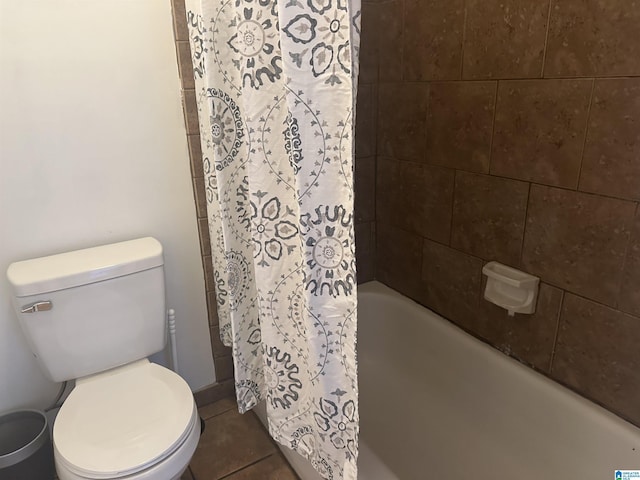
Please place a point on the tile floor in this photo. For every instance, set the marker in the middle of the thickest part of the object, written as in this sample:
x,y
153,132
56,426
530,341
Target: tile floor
x,y
236,447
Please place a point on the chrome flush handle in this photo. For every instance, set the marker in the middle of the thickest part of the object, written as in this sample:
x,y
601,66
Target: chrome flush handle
x,y
37,307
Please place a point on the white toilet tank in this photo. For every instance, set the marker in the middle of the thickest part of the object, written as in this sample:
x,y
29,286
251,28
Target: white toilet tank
x,y
90,310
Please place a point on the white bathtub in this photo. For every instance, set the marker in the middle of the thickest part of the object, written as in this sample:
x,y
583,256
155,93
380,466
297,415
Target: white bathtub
x,y
437,404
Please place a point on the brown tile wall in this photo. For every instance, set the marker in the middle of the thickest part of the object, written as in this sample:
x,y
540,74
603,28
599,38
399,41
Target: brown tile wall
x,y
509,130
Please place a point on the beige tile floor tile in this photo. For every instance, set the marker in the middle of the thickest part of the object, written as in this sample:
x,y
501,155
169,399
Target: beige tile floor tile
x,y
216,408
236,447
274,467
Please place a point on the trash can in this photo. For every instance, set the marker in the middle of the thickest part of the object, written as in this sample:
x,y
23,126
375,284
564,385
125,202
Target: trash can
x,y
26,452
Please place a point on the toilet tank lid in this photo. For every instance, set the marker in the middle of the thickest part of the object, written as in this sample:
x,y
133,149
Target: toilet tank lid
x,y
82,267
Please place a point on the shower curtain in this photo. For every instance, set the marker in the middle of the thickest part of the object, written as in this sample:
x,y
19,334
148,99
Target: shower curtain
x,y
276,88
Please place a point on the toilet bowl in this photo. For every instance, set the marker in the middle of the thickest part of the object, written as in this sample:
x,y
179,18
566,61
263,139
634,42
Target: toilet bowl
x,y
96,315
137,422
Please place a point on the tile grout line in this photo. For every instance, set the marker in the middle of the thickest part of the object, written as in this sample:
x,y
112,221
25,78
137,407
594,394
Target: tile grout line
x,y
555,337
524,226
216,414
390,158
464,40
440,243
546,39
586,133
558,187
246,466
599,303
402,39
626,257
427,112
493,126
513,79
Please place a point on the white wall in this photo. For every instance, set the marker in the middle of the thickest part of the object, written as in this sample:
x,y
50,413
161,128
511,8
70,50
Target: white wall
x,y
92,151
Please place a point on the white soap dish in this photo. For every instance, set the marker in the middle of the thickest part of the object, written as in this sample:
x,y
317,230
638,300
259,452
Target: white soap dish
x,y
510,289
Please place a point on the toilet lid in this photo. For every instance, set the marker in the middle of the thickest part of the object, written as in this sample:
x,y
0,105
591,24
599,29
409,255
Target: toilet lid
x,y
120,422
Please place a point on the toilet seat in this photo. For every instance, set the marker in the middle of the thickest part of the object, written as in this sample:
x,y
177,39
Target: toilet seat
x,y
123,421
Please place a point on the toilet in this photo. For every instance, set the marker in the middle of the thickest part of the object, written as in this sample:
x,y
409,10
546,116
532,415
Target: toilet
x,y
95,315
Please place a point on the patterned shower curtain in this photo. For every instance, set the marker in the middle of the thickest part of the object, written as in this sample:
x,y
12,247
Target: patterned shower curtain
x,y
276,88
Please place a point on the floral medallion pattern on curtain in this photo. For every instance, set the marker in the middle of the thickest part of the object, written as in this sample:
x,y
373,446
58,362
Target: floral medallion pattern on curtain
x,y
276,89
